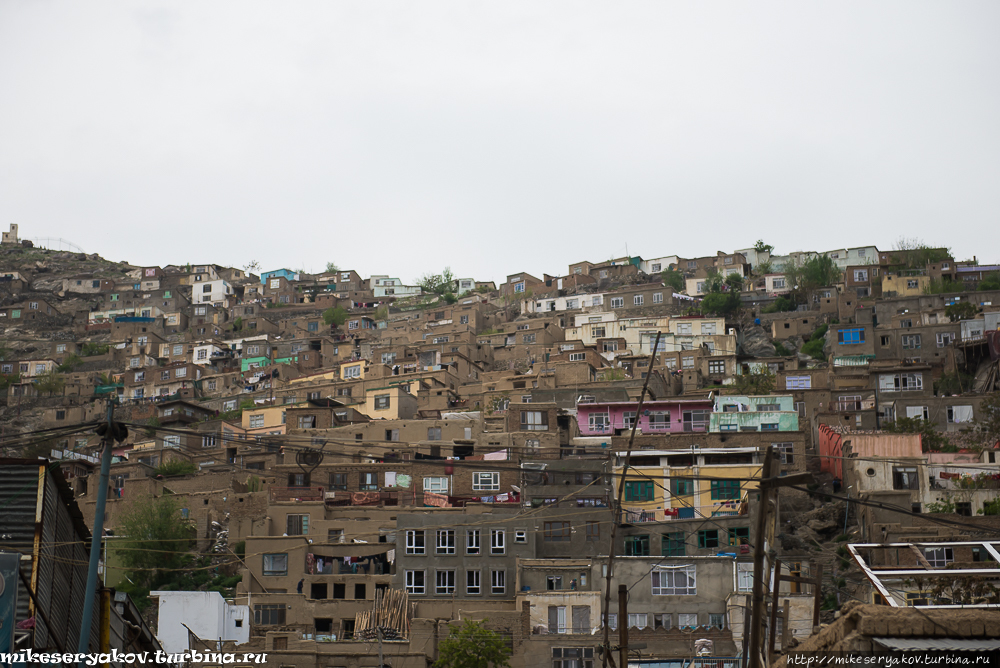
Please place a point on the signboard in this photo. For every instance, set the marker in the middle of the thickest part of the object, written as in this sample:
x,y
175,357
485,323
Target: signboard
x,y
10,562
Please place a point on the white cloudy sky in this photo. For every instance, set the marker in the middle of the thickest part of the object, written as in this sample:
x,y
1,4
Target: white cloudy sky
x,y
401,137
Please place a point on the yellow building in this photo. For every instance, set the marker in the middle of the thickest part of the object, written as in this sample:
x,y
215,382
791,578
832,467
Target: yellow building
x,y
690,483
899,285
267,420
389,403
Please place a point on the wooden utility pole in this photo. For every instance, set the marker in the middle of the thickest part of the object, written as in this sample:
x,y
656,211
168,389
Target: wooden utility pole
x,y
622,625
617,509
769,484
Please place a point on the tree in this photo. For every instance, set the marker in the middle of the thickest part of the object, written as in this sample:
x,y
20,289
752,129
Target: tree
x,y
720,303
816,272
331,267
437,283
762,247
988,422
335,316
8,379
763,268
991,282
734,282
673,279
156,541
72,361
472,645
760,381
50,382
251,266
961,311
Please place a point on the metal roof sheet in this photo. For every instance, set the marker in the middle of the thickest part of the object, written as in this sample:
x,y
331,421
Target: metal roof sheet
x,y
941,644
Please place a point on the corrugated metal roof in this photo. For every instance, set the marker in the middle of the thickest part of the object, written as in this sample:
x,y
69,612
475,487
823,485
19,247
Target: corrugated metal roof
x,y
940,644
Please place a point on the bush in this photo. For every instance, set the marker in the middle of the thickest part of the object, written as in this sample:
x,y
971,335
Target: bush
x,y
176,467
814,348
90,349
779,305
820,332
781,350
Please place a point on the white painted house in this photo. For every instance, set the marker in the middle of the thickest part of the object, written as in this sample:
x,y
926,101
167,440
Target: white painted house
x,y
206,613
211,292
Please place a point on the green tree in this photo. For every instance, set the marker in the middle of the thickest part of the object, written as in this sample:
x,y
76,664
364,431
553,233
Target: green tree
x,y
331,267
720,303
50,382
734,282
991,282
988,422
8,379
673,279
816,272
156,541
238,324
472,645
961,311
437,283
450,298
90,349
71,362
763,268
760,381
762,247
335,316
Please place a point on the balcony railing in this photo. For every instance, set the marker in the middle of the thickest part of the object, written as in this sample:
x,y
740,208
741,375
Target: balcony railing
x,y
296,493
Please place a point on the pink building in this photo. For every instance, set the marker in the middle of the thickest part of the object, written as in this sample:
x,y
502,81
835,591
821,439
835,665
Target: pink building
x,y
662,416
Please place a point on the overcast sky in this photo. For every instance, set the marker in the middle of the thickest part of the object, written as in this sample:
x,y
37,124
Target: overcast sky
x,y
401,137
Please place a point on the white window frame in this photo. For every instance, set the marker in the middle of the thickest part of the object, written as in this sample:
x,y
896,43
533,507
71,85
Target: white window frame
x,y
498,581
798,382
657,297
637,300
663,574
447,576
617,302
744,577
412,546
411,582
472,542
445,541
436,484
486,481
498,541
474,582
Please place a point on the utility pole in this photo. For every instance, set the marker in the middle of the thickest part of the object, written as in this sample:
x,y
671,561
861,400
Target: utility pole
x,y
623,625
109,434
615,521
769,484
378,632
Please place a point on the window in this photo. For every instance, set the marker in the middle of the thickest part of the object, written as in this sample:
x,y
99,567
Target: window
x,y
912,284
338,481
798,382
498,539
381,402
637,620
140,376
708,538
473,584
414,582
388,358
472,541
851,336
939,557
444,582
60,415
269,614
415,542
901,382
637,300
911,341
959,414
629,419
275,564
700,287
307,422
352,371
717,367
519,287
860,275
906,324
297,525
637,546
696,420
463,320
593,531
532,446
785,452
534,421
744,577
905,477
680,487
674,581
639,491
437,485
617,302
556,532
778,283
918,412
657,297
673,544
368,481
446,542
739,536
553,582
659,420
599,332
434,433
498,582
577,357
256,421
599,421
945,339
486,481
717,620
725,489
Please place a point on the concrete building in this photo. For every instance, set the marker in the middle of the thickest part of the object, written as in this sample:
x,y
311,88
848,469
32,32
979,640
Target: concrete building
x,y
204,613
